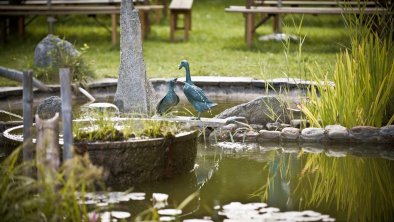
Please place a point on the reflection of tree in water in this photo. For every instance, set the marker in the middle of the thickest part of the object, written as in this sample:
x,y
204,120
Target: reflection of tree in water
x,y
348,188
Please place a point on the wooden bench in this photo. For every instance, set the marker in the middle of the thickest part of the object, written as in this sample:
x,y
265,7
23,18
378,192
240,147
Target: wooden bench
x,y
327,7
81,7
178,7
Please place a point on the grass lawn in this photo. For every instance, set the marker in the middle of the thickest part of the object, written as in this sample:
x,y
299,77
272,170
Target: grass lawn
x,y
216,46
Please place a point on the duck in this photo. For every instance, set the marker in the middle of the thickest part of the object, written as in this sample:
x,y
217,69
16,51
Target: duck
x,y
194,94
170,100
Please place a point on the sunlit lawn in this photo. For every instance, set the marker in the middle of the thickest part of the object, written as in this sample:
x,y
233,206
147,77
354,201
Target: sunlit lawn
x,y
216,46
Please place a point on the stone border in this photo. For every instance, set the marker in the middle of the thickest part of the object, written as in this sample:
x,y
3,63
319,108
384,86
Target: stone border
x,y
212,85
329,134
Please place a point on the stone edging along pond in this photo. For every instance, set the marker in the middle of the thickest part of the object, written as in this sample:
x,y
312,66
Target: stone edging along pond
x,y
329,134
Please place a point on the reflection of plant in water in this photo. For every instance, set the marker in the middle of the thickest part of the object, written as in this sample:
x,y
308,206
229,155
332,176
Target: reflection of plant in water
x,y
24,198
362,187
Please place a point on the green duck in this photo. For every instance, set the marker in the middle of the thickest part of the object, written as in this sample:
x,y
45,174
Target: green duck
x,y
194,94
170,100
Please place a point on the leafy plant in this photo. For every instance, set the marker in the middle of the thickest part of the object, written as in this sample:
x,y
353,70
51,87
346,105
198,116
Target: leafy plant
x,y
25,198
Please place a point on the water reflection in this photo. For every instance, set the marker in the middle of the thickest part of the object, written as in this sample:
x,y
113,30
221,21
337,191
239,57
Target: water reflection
x,y
356,188
329,180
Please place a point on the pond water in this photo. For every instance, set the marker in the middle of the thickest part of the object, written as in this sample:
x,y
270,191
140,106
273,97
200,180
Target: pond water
x,y
348,184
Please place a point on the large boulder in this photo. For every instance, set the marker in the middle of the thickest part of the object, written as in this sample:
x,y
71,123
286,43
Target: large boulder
x,y
52,51
260,111
49,107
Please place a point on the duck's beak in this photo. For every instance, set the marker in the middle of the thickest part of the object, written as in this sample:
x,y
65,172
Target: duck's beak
x,y
180,66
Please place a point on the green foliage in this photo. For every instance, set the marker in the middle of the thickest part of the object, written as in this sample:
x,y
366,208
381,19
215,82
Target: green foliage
x,y
25,198
79,69
364,78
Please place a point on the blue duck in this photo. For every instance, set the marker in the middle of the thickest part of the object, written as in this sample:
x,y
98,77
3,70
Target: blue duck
x,y
194,94
170,100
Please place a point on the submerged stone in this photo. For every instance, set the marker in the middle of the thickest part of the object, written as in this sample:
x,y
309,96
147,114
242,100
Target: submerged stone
x,y
312,134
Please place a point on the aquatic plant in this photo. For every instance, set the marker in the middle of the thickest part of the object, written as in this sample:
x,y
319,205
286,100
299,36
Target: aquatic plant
x,y
102,126
363,91
26,198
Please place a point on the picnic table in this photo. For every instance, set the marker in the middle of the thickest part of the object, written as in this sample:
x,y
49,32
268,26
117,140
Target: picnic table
x,y
277,8
52,8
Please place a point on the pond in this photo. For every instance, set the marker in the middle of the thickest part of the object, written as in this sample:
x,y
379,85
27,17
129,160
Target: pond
x,y
353,184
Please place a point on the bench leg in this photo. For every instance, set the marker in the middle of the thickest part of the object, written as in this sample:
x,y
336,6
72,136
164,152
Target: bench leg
x,y
143,24
249,26
187,24
173,18
21,27
114,26
3,30
276,24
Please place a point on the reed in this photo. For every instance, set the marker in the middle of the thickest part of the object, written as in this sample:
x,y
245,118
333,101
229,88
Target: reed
x,y
363,79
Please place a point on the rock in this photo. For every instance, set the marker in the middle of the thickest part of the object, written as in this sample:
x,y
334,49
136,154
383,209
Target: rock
x,y
337,132
257,127
276,126
312,134
52,50
364,134
387,132
265,135
258,111
230,127
134,93
251,136
299,123
220,135
234,119
49,107
290,133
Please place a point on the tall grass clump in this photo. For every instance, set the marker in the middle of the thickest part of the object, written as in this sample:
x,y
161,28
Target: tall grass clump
x,y
54,198
363,89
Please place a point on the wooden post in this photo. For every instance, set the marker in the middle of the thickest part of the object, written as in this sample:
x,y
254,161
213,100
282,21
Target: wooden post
x,y
28,118
114,25
249,27
47,146
65,91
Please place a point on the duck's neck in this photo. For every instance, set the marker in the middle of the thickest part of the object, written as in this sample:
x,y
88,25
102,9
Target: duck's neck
x,y
188,78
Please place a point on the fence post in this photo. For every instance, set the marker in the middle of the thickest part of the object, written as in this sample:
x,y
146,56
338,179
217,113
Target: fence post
x,y
28,119
65,91
47,147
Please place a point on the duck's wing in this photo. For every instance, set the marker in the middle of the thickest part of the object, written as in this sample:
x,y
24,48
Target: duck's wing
x,y
163,105
195,93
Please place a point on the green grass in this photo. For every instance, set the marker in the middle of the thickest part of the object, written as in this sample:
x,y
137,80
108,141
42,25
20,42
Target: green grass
x,y
216,46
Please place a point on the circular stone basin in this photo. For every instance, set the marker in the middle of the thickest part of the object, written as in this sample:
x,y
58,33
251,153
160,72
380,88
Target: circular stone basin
x,y
136,160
